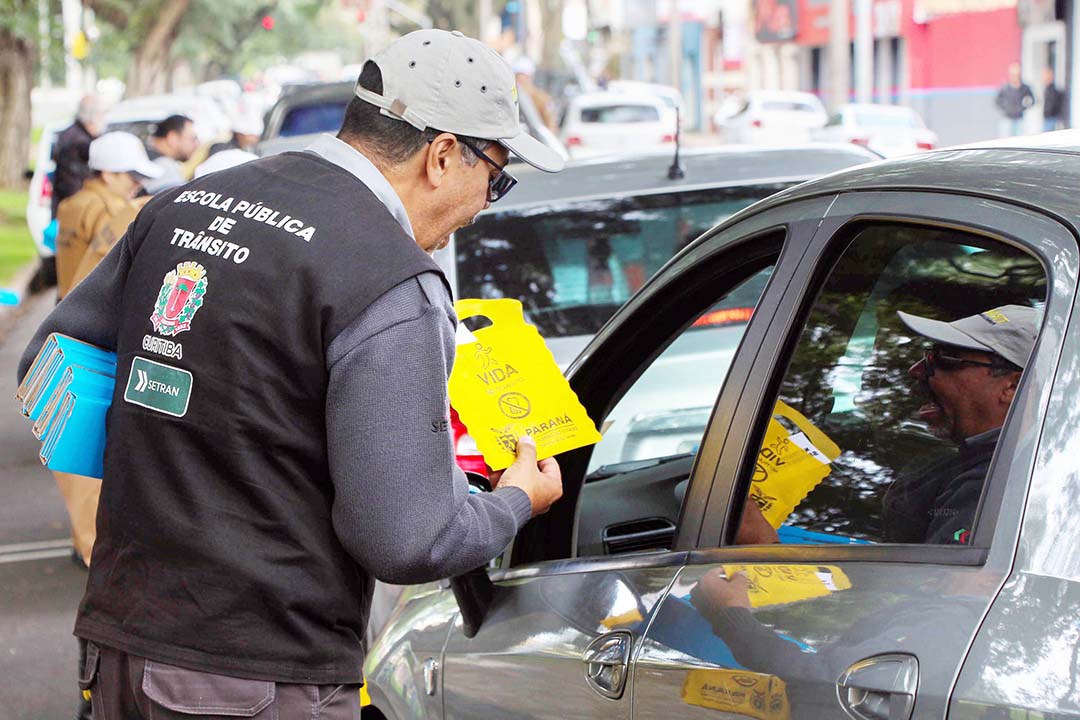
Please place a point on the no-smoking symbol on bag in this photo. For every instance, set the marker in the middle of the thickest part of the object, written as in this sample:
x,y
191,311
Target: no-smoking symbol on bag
x,y
514,405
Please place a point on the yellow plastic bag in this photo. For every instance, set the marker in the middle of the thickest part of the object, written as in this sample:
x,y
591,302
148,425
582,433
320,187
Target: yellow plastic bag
x,y
789,464
741,693
507,384
781,584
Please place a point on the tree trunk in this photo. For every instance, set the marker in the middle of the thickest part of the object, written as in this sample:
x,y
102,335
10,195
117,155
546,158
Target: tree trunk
x,y
149,67
551,12
16,79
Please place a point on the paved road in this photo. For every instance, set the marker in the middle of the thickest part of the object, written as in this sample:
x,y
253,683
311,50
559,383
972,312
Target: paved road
x,y
40,586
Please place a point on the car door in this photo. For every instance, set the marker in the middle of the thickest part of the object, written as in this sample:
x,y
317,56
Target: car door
x,y
564,619
840,619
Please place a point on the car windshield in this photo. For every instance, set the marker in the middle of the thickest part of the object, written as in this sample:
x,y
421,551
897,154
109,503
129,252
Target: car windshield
x,y
323,117
870,118
620,114
572,264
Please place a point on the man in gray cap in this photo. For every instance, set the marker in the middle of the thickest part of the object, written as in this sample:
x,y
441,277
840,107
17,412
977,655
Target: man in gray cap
x,y
969,376
278,437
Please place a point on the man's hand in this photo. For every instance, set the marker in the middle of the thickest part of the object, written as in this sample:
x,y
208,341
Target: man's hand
x,y
541,481
716,591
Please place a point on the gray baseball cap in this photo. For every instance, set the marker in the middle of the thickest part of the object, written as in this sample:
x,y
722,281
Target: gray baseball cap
x,y
453,83
1008,331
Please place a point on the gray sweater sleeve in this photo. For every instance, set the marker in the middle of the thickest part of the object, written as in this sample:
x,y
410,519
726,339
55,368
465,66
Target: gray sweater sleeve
x,y
401,506
90,311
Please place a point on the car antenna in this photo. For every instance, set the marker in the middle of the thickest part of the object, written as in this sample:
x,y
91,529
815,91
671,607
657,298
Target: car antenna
x,y
675,172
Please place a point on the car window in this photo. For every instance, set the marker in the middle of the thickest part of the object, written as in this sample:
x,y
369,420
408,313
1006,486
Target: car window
x,y
666,410
862,445
626,113
573,264
787,106
890,120
324,117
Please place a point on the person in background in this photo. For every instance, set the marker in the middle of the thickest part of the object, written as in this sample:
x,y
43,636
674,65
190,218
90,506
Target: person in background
x,y
72,148
1013,98
1053,103
524,70
172,144
247,128
118,168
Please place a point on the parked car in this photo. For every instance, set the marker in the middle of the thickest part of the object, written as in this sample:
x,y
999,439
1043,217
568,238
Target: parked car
x,y
630,597
575,245
298,117
610,123
671,96
888,130
771,117
39,199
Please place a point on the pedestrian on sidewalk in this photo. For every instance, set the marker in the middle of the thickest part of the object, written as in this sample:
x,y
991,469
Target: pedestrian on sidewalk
x,y
1053,103
1013,98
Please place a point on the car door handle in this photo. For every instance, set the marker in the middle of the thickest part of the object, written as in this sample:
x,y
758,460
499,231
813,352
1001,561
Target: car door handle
x,y
880,687
607,662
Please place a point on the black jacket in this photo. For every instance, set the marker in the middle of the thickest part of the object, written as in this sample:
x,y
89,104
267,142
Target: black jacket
x,y
937,506
71,153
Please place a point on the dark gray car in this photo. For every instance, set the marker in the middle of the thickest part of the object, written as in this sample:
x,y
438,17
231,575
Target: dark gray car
x,y
620,602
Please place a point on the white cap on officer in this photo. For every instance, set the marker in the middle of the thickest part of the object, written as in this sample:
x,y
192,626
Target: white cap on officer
x,y
247,123
121,152
449,82
1008,331
223,160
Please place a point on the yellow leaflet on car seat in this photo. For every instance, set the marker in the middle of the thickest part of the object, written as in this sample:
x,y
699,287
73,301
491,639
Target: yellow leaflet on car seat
x,y
790,463
780,584
739,692
506,384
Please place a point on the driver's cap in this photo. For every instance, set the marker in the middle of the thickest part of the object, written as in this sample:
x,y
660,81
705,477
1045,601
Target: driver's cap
x,y
446,81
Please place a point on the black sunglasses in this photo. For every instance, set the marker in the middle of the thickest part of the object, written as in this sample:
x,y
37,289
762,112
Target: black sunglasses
x,y
501,183
936,358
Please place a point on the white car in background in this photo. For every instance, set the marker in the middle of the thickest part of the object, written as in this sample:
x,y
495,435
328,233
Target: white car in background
x,y
39,200
139,115
768,117
608,123
888,130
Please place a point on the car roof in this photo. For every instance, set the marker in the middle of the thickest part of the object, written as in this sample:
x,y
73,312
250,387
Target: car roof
x,y
874,107
782,95
1041,171
601,99
647,172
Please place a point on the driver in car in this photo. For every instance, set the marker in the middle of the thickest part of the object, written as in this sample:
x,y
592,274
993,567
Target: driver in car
x,y
969,377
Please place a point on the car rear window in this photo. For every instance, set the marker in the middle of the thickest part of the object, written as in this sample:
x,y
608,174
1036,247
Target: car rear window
x,y
573,264
890,120
620,114
787,106
324,117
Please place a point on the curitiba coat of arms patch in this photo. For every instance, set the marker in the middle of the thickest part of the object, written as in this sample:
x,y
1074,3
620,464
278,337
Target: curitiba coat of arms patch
x,y
181,295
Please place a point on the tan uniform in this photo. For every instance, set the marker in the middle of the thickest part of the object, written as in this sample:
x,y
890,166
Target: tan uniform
x,y
80,218
87,220
106,237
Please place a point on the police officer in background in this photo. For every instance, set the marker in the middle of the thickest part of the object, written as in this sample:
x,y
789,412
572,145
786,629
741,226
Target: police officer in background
x,y
278,435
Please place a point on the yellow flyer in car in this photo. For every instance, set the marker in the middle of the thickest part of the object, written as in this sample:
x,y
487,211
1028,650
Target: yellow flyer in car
x,y
794,458
505,384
